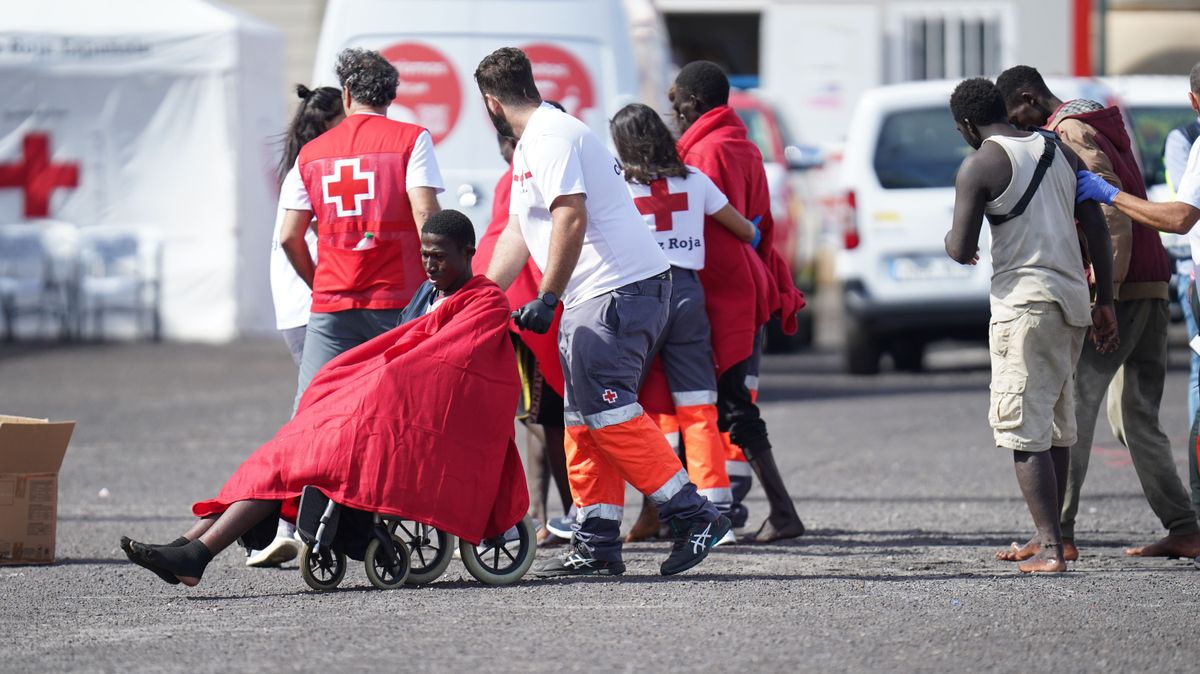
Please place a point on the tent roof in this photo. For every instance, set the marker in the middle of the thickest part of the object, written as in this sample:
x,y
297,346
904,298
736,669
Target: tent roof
x,y
126,17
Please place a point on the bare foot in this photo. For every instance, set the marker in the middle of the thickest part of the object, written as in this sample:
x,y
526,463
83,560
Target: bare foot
x,y
547,538
1019,553
1172,547
1042,565
772,531
1070,552
646,526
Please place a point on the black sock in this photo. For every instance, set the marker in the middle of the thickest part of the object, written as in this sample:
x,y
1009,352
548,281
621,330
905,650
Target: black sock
x,y
177,542
183,560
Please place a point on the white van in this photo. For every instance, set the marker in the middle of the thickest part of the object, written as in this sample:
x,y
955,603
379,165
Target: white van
x,y
900,289
584,55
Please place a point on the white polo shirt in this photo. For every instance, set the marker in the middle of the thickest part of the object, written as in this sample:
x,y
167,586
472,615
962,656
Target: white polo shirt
x,y
559,155
674,208
292,296
1189,193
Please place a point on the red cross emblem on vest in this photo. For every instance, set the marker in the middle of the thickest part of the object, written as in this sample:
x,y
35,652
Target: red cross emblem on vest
x,y
609,396
662,204
36,176
348,187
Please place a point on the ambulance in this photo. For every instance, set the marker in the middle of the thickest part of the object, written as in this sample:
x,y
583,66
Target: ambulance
x,y
592,56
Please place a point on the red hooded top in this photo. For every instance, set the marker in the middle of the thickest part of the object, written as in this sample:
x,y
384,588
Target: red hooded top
x,y
741,289
1148,260
416,423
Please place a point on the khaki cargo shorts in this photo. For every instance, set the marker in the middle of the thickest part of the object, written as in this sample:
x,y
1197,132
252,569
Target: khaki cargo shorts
x,y
1032,405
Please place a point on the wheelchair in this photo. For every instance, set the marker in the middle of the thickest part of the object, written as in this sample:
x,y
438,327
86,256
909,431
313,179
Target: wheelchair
x,y
398,552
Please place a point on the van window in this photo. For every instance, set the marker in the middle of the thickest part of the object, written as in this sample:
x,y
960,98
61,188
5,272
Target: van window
x,y
919,148
1150,128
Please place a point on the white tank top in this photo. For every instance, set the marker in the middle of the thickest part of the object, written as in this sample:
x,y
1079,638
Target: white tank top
x,y
1035,256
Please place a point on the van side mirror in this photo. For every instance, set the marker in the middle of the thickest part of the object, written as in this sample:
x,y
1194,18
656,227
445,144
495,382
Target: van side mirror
x,y
803,157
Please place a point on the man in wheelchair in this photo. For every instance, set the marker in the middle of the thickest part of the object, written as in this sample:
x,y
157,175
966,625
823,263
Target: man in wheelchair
x,y
415,424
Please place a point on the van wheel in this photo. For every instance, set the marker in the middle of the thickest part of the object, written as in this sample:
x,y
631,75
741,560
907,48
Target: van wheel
x,y
862,350
908,353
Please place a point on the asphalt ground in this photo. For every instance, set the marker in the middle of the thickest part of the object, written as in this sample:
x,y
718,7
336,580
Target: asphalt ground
x,y
905,497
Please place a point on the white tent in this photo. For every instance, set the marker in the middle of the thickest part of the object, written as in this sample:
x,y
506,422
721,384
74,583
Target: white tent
x,y
169,111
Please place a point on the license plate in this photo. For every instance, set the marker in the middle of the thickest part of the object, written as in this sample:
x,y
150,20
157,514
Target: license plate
x,y
927,268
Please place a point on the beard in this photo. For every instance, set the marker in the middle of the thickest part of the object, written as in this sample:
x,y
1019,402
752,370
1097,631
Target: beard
x,y
501,123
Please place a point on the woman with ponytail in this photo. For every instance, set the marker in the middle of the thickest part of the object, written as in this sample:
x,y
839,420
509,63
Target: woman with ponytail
x,y
320,110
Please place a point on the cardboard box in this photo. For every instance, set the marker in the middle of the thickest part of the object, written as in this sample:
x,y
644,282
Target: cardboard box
x,y
31,452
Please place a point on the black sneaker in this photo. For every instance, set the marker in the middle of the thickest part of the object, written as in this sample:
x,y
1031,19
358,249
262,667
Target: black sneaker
x,y
577,560
693,540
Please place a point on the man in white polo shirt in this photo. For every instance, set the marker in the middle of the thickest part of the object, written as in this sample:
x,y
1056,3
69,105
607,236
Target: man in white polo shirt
x,y
571,211
1176,217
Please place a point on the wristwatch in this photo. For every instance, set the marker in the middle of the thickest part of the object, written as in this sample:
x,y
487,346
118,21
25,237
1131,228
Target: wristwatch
x,y
549,299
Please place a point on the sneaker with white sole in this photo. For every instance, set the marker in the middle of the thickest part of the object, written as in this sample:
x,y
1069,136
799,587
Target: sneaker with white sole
x,y
563,527
577,560
729,538
693,540
282,549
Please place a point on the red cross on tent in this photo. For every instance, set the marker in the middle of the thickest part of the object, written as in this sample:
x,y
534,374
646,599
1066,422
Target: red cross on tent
x,y
662,204
36,176
348,187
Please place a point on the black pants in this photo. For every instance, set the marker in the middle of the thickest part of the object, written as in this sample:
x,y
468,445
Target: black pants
x,y
738,414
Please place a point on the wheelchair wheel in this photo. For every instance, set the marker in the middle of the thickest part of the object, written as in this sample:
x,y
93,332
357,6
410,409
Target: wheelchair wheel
x,y
498,561
430,549
380,571
322,570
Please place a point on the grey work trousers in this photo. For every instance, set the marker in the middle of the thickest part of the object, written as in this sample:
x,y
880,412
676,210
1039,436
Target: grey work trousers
x,y
1136,371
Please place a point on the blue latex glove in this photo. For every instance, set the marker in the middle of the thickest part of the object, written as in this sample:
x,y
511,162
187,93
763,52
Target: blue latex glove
x,y
757,232
1091,186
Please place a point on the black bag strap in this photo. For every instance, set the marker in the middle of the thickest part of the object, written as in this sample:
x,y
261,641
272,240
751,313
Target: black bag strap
x,y
1040,172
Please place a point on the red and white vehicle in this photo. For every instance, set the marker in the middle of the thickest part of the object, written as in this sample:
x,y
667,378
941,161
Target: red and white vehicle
x,y
796,226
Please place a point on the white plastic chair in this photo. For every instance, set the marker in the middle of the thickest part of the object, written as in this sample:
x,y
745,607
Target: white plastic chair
x,y
120,269
28,283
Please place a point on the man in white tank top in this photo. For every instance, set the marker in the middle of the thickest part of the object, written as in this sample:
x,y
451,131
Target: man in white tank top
x,y
1039,295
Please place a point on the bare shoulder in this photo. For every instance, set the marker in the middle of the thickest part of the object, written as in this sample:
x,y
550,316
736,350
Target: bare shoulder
x,y
988,168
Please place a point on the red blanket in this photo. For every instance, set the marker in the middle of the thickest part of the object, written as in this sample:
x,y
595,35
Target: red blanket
x,y
523,289
742,289
416,423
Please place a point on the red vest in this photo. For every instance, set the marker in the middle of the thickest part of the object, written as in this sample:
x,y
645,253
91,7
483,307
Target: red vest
x,y
355,175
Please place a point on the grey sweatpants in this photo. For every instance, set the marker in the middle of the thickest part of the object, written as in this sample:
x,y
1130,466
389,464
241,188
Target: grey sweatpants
x,y
1136,371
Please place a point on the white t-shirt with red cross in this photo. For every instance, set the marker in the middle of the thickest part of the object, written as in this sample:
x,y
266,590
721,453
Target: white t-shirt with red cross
x,y
674,209
559,155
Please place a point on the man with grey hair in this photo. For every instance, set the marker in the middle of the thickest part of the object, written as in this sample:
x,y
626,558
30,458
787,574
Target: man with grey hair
x,y
370,182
